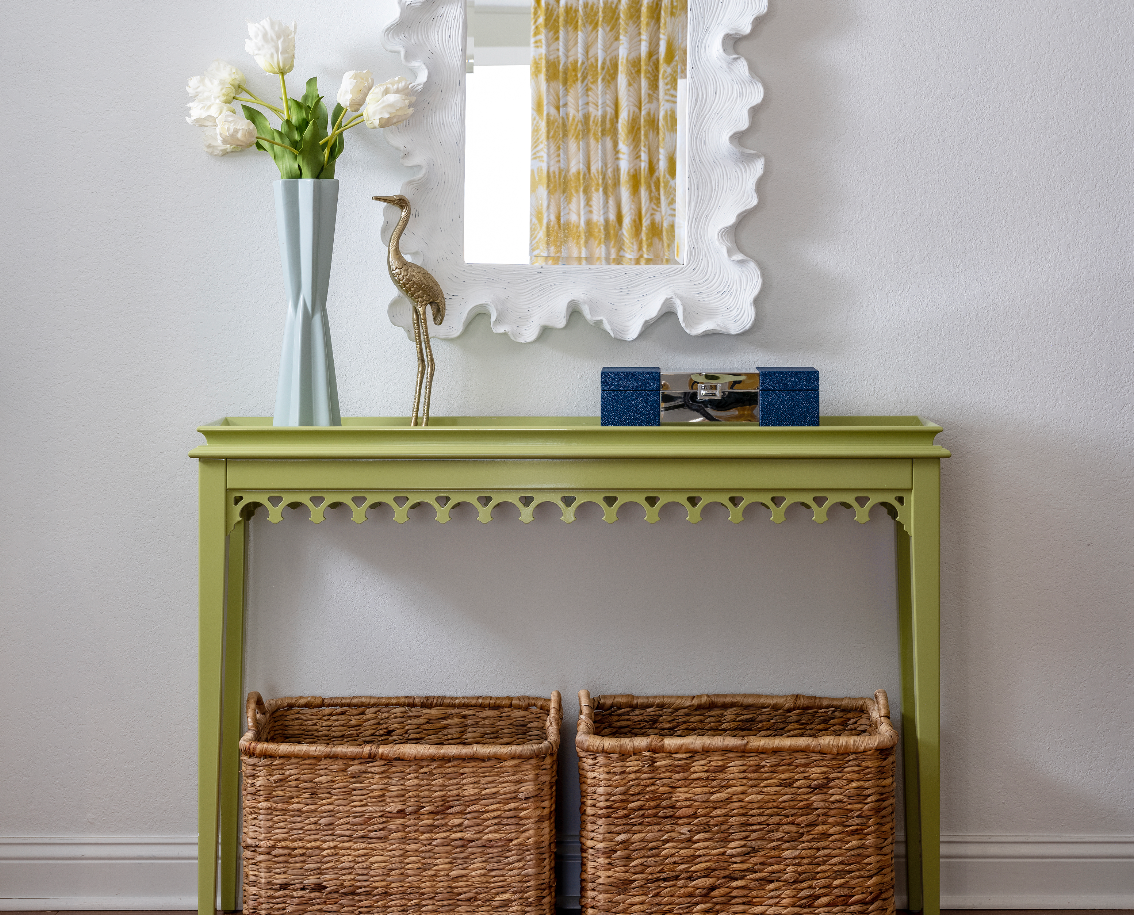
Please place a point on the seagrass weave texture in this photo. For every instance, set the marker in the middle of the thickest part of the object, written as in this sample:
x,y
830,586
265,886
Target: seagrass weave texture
x,y
736,804
400,805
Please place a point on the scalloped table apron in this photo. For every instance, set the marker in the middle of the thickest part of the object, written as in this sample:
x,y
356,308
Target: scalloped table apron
x,y
305,214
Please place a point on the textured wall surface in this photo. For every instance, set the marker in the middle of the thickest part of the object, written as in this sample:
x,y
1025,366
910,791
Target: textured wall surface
x,y
944,229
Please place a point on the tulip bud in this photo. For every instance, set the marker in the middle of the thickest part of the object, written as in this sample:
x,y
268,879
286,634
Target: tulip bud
x,y
356,86
205,89
225,74
235,131
204,111
388,103
272,43
215,147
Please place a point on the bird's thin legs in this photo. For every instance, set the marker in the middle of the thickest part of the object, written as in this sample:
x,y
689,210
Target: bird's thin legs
x,y
430,365
418,322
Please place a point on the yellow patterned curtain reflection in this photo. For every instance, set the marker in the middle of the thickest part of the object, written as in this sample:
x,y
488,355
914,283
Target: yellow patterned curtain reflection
x,y
604,130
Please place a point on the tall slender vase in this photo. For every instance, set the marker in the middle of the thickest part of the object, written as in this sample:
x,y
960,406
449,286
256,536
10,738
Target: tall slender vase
x,y
305,215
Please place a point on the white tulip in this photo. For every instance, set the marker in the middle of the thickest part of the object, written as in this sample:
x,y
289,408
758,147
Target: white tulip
x,y
235,131
388,103
213,145
205,89
356,86
225,74
273,45
399,85
204,111
219,84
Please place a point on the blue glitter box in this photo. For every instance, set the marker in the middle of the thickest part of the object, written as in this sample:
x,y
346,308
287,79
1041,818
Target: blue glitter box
x,y
789,396
637,396
631,396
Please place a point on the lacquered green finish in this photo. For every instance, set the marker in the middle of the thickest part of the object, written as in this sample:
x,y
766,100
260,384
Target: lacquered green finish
x,y
513,437
925,629
211,597
233,724
908,727
247,464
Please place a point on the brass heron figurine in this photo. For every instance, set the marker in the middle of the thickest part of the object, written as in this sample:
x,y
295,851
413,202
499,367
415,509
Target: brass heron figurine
x,y
423,291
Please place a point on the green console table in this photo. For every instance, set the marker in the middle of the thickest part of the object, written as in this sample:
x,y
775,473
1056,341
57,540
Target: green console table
x,y
861,461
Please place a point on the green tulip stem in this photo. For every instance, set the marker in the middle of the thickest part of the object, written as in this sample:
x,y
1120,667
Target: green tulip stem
x,y
257,101
280,145
333,134
286,106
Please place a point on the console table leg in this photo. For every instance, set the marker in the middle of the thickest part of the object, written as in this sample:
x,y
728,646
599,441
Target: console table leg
x,y
233,725
925,629
909,724
211,572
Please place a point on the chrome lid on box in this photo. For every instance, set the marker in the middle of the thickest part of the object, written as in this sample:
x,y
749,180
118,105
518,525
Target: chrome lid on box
x,y
698,397
768,395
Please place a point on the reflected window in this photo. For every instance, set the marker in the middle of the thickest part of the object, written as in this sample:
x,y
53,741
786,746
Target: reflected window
x,y
575,140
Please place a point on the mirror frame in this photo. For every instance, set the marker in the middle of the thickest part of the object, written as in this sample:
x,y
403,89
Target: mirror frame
x,y
712,292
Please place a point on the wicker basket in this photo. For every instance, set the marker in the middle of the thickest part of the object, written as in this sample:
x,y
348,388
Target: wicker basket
x,y
400,805
736,804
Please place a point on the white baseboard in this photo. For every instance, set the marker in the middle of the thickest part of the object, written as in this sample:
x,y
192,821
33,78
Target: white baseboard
x,y
160,872
1034,872
98,872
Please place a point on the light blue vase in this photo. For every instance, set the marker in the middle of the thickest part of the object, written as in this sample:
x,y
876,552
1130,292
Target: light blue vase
x,y
305,214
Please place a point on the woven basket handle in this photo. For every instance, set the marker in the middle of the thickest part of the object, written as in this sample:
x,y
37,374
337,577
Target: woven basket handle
x,y
555,713
256,710
883,703
586,713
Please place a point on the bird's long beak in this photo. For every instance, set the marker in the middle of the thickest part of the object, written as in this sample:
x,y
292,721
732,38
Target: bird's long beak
x,y
383,199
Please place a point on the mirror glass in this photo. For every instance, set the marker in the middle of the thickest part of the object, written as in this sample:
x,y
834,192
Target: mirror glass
x,y
575,146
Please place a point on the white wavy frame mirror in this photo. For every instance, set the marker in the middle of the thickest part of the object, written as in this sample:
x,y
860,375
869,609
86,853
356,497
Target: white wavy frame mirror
x,y
712,292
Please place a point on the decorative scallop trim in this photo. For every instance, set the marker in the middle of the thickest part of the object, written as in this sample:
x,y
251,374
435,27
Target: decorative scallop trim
x,y
713,292
244,504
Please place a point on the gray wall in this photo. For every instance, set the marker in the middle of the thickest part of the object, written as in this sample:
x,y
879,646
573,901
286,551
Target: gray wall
x,y
944,229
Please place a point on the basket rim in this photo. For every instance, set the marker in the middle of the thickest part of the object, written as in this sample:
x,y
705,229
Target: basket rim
x,y
586,741
259,713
